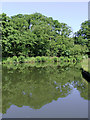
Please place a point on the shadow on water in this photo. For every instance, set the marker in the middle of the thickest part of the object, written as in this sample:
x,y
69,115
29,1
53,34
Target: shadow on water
x,y
36,86
85,74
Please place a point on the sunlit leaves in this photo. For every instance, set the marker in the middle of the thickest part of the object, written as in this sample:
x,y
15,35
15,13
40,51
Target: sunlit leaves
x,y
38,35
81,36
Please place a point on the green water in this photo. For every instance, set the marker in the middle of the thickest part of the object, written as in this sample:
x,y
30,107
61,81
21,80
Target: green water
x,y
43,91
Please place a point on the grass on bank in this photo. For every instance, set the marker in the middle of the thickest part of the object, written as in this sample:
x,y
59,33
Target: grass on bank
x,y
85,64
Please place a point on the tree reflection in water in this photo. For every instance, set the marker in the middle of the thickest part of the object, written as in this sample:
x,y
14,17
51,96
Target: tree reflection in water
x,y
39,85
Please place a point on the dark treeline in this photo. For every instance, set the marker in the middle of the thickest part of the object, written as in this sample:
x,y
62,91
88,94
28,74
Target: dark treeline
x,y
37,35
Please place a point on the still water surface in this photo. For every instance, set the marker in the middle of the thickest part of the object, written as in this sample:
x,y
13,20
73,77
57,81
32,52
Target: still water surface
x,y
44,92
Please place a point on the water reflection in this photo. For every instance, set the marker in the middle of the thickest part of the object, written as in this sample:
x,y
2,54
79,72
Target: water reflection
x,y
39,85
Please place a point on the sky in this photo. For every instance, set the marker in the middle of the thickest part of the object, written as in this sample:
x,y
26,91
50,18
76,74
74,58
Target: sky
x,y
71,13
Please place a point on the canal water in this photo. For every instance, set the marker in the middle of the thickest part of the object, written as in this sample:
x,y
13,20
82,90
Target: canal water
x,y
44,91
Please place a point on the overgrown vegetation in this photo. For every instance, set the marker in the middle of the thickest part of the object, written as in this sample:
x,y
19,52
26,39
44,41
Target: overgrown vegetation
x,y
38,59
36,37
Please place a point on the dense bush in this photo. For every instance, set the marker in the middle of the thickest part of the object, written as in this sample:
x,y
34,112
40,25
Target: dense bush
x,y
55,59
21,59
43,59
15,59
38,59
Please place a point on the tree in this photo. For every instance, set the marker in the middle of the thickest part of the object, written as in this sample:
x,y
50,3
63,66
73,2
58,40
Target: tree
x,y
38,35
81,36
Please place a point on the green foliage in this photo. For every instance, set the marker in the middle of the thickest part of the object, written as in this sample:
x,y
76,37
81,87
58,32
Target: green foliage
x,y
15,59
43,59
9,60
62,58
38,59
37,35
81,37
21,59
78,58
55,59
31,59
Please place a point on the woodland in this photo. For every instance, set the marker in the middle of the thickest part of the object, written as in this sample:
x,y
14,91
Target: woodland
x,y
35,35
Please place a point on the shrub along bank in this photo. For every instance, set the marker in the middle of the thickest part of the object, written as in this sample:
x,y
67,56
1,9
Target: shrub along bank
x,y
38,59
